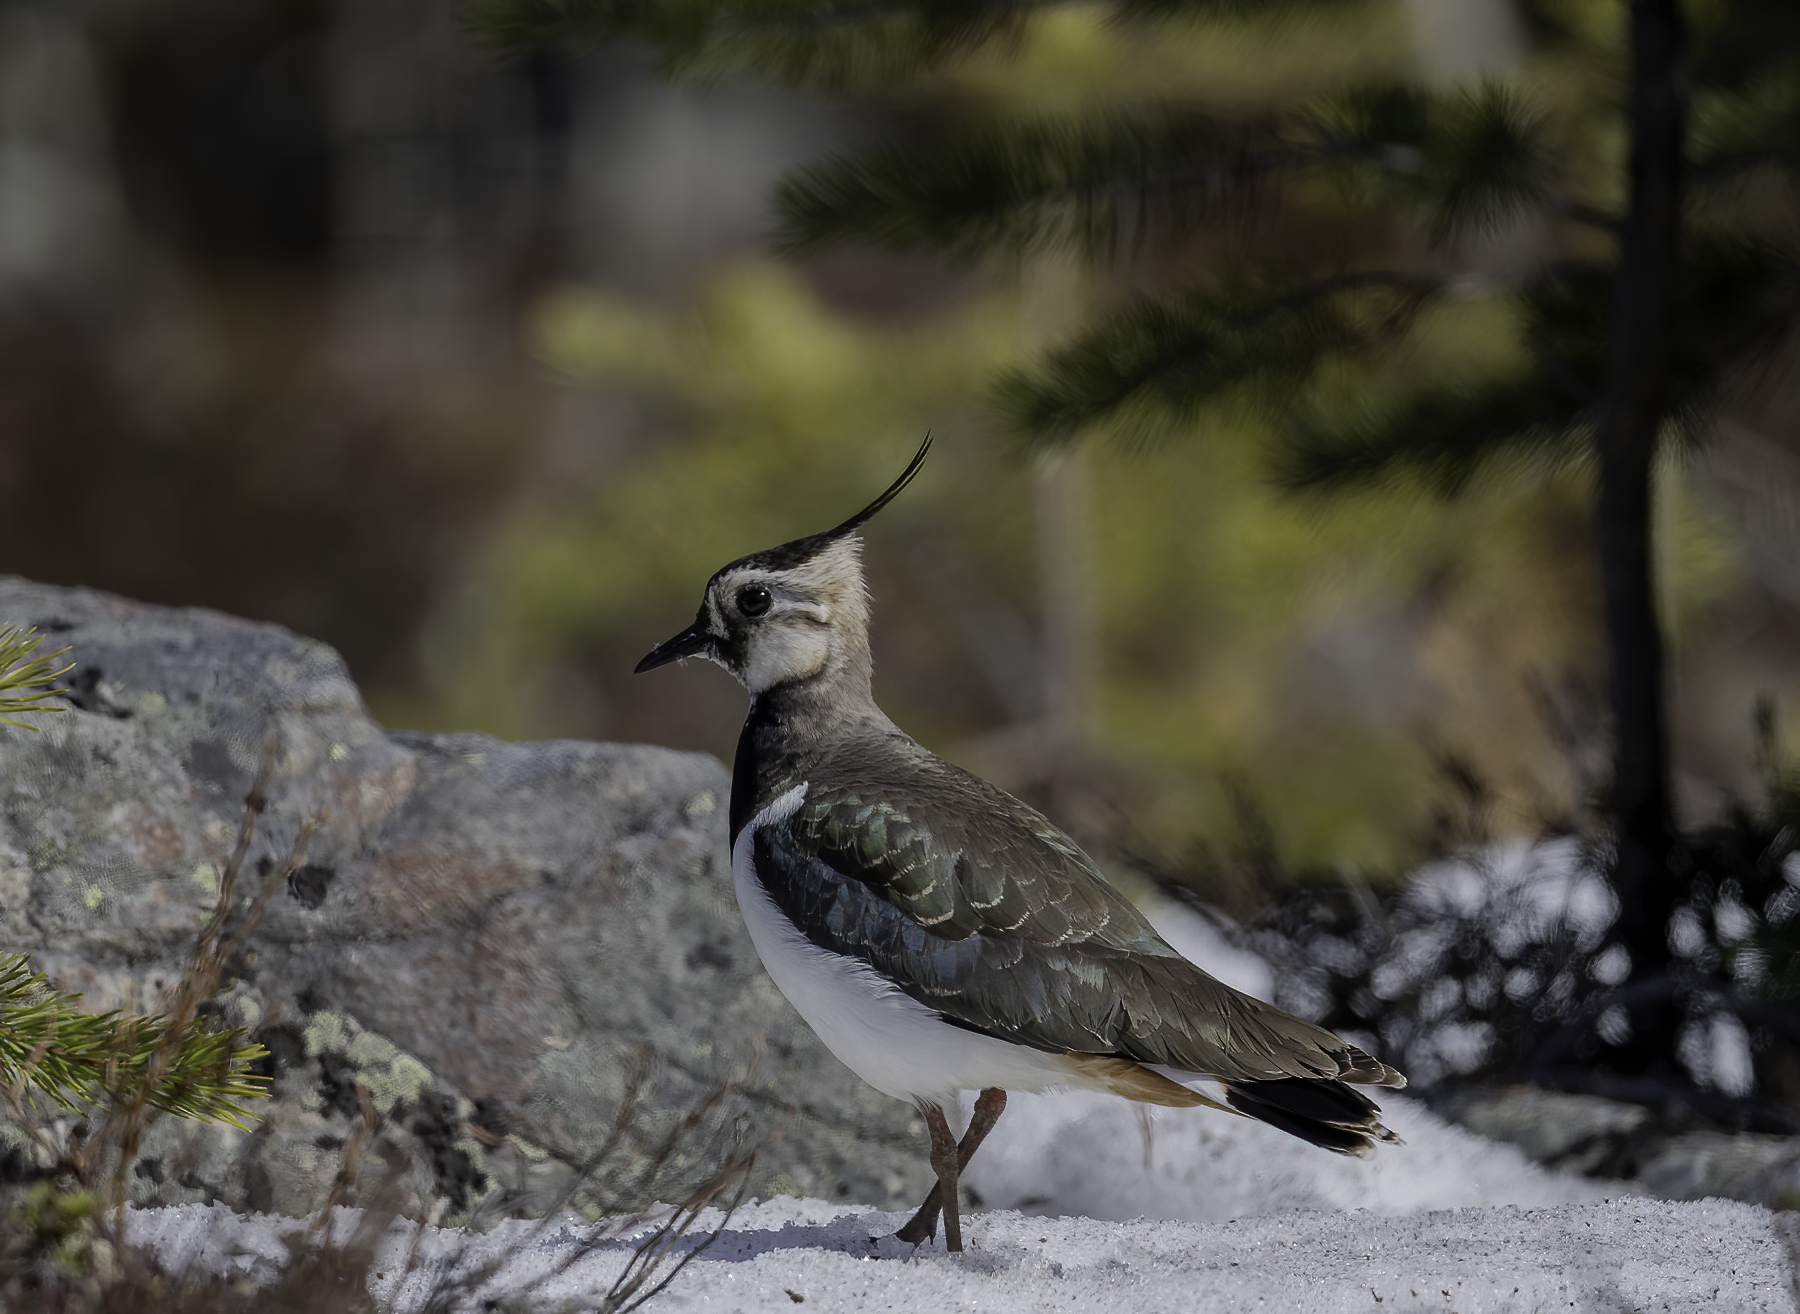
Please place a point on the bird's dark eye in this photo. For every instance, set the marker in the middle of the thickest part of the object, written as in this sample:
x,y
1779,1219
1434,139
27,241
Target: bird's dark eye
x,y
753,600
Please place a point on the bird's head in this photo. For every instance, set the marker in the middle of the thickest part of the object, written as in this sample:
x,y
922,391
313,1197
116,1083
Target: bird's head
x,y
789,614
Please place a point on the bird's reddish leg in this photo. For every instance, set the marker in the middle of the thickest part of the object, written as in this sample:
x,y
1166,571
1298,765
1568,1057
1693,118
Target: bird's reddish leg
x,y
946,1162
922,1226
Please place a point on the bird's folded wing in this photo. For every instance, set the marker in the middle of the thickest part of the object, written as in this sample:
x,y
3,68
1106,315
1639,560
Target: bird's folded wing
x,y
987,863
1044,953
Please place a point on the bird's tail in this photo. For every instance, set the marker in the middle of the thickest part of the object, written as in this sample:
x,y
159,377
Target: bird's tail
x,y
1327,1113
1321,1110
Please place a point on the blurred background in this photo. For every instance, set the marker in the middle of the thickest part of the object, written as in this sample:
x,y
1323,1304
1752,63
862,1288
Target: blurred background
x,y
475,364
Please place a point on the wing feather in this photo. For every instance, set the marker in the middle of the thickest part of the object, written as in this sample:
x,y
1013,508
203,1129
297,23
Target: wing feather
x,y
1043,952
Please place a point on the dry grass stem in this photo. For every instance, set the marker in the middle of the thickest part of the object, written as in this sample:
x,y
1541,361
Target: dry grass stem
x,y
128,1119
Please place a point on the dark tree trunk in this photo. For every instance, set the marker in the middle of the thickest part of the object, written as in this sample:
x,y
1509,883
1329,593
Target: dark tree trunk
x,y
1633,407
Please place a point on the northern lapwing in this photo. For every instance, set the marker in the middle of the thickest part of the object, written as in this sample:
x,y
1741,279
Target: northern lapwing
x,y
941,936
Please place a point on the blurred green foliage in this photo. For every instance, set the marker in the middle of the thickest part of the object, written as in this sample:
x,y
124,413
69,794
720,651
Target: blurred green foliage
x,y
1323,654
1256,228
1306,244
843,45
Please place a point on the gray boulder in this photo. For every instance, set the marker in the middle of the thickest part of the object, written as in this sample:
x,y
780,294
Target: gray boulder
x,y
1577,1133
496,941
1699,1164
1658,1152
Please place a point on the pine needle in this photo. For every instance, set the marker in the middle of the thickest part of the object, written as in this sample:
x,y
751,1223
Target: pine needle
x,y
27,683
51,1052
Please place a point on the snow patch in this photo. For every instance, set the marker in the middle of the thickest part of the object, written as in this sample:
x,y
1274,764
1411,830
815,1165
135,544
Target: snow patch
x,y
1083,1153
1621,1254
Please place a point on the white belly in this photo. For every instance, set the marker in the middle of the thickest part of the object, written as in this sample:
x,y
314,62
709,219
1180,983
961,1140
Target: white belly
x,y
891,1041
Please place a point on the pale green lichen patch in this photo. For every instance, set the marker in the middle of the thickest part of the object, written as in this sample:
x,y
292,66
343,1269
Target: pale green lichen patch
x,y
532,1153
150,702
702,805
339,752
326,1032
366,1049
477,1153
93,897
403,1080
206,876
249,1011
390,1073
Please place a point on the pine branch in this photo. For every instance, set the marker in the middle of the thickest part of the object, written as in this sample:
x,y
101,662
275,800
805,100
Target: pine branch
x,y
826,43
1088,183
1441,434
823,43
51,1051
1150,368
1487,161
1225,9
27,683
1735,301
1742,42
1156,364
1469,159
1749,129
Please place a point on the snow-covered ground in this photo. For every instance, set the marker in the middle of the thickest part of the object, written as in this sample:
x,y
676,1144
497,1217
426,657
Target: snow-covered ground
x,y
1228,1215
1626,1254
1096,1155
1225,1214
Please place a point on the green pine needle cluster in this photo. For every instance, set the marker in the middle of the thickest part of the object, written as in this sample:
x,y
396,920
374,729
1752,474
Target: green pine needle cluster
x,y
824,43
1154,364
1462,163
1095,185
53,1053
1229,199
1468,160
27,682
827,44
1103,184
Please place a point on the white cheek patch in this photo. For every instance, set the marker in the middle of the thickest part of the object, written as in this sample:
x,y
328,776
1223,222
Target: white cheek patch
x,y
782,652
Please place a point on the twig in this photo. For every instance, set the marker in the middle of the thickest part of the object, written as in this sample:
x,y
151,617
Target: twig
x,y
468,1281
343,1186
671,1228
626,1292
127,1121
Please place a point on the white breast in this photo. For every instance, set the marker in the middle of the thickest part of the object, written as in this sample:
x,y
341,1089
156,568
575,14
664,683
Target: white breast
x,y
891,1041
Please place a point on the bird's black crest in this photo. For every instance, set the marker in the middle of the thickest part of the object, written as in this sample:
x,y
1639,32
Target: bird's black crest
x,y
801,549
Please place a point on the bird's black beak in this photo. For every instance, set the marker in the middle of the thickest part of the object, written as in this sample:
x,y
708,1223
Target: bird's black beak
x,y
691,642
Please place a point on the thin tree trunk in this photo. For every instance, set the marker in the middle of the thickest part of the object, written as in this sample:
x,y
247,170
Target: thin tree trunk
x,y
1066,590
1634,405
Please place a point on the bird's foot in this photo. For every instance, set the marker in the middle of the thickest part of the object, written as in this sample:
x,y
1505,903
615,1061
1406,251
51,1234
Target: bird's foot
x,y
919,1229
